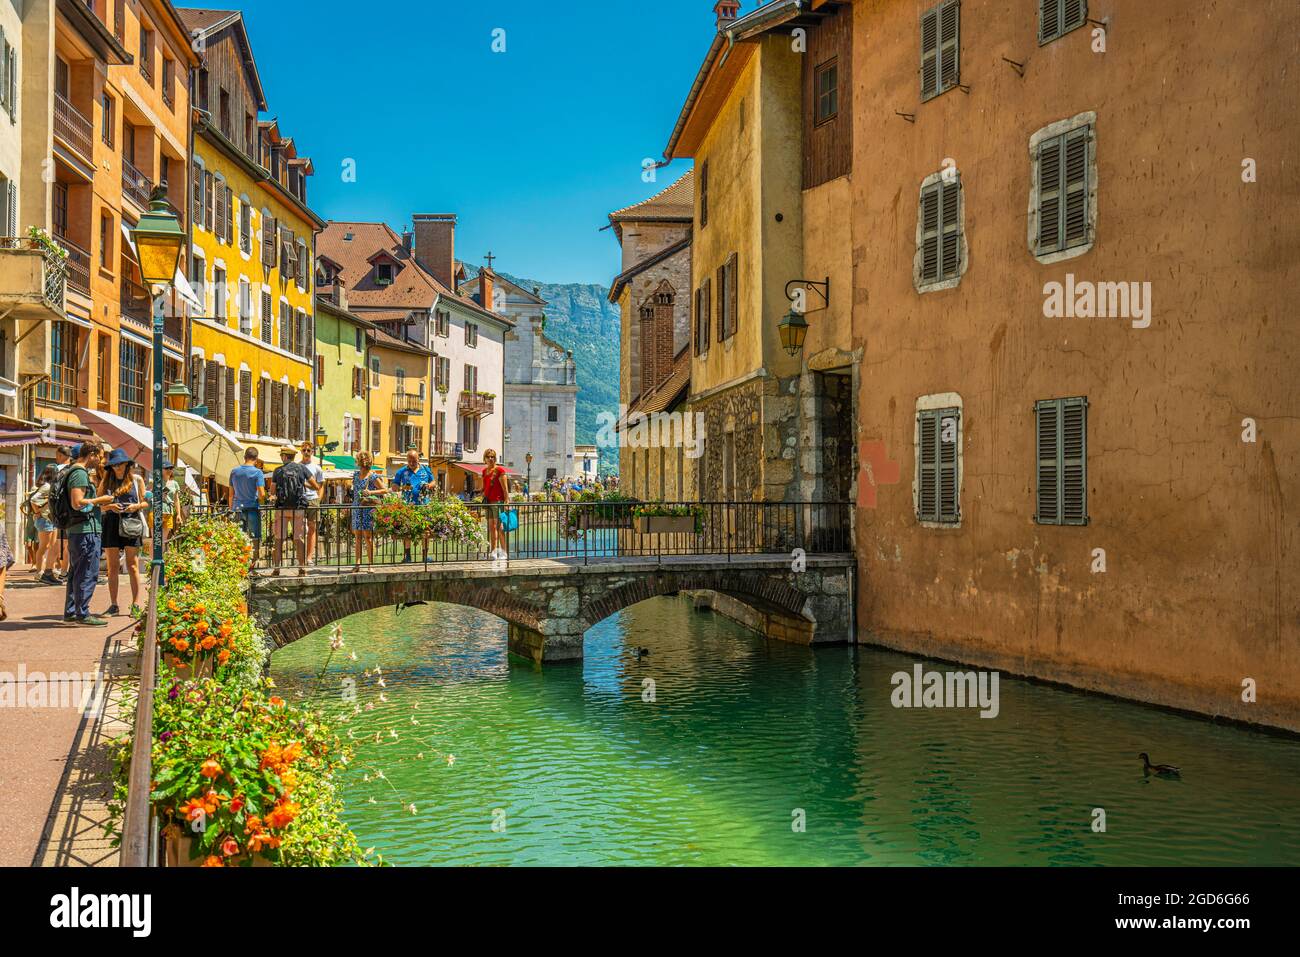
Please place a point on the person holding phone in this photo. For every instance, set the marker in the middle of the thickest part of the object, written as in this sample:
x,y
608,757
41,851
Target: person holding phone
x,y
496,492
123,525
367,487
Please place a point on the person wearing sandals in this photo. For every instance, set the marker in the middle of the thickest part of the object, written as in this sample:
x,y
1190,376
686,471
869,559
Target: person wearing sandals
x,y
123,525
367,487
496,492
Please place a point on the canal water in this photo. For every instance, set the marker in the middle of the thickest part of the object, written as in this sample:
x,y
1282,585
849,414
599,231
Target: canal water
x,y
720,748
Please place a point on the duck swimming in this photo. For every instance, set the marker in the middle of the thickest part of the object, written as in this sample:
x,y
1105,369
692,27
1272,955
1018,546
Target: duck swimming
x,y
640,653
1165,770
401,606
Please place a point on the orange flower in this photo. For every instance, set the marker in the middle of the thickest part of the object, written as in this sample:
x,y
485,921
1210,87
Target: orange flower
x,y
229,847
210,769
254,824
223,657
236,804
276,700
208,643
192,809
201,627
226,628
282,814
180,644
198,609
213,861
243,605
261,839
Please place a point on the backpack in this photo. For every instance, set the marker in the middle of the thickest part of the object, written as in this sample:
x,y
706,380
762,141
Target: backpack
x,y
61,510
290,486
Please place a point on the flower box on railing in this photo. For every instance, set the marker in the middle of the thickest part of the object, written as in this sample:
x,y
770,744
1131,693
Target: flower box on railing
x,y
665,524
590,520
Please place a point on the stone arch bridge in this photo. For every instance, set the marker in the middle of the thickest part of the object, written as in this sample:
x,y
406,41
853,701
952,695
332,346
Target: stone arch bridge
x,y
550,603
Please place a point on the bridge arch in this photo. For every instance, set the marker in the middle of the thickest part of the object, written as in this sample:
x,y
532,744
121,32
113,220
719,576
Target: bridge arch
x,y
549,606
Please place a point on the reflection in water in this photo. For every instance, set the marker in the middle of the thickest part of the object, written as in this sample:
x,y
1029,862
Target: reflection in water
x,y
743,734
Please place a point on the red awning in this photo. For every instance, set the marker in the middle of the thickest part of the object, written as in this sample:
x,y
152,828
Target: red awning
x,y
13,437
478,469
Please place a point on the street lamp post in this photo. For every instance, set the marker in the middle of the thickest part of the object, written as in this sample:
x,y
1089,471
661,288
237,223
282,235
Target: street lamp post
x,y
528,481
158,240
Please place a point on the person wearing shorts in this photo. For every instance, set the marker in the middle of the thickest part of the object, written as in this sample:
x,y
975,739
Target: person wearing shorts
x,y
290,514
315,483
247,486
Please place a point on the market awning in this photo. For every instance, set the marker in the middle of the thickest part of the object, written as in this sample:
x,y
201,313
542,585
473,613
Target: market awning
x,y
10,437
346,462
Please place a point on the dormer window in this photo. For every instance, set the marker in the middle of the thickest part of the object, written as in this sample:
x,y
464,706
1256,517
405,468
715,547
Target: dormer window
x,y
384,274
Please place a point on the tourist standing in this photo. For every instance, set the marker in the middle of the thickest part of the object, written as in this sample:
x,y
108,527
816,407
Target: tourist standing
x,y
315,484
247,486
412,479
367,486
123,525
47,535
496,491
62,459
77,512
289,486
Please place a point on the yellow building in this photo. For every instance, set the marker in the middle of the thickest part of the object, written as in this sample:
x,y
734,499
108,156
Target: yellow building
x,y
777,427
252,348
399,401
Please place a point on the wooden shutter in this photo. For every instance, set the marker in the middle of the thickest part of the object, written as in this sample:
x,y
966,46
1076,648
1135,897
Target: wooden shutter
x,y
931,202
212,391
707,297
268,241
263,407
1058,17
697,326
938,435
722,301
277,409
231,213
733,297
1063,219
284,326
207,201
197,379
245,401
229,400
1062,461
940,43
197,190
268,317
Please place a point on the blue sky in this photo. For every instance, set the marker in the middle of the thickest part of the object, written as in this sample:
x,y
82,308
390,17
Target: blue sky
x,y
530,147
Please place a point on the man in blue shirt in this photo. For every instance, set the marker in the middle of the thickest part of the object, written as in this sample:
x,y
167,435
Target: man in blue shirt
x,y
247,486
413,479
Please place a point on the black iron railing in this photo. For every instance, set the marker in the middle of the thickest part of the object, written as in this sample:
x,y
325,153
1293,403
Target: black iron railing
x,y
591,531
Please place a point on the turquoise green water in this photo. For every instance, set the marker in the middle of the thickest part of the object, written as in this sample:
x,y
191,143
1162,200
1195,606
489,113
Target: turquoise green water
x,y
571,765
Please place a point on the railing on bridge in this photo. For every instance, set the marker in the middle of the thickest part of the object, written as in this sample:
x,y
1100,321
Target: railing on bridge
x,y
592,531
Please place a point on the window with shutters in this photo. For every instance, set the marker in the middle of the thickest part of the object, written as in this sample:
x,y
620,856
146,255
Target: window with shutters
x,y
1063,194
245,401
374,372
703,310
1062,461
279,394
442,323
940,41
212,390
197,378
285,324
376,436
263,406
268,318
219,295
940,257
727,300
245,307
471,334
268,240
209,203
228,400
197,186
245,228
937,485
1058,17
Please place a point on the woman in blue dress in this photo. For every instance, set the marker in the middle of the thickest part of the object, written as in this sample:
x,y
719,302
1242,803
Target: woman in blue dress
x,y
367,487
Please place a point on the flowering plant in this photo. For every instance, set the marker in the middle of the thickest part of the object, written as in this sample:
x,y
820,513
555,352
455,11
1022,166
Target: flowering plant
x,y
444,518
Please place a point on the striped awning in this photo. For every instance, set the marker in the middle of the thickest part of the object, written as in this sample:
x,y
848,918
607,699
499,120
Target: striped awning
x,y
10,437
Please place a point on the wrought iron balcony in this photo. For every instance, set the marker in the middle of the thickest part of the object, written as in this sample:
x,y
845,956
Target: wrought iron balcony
x,y
77,265
449,451
476,403
33,280
72,126
135,184
408,403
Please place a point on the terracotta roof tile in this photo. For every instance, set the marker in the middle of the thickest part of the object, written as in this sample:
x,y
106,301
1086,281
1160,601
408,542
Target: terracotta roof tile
x,y
676,203
665,393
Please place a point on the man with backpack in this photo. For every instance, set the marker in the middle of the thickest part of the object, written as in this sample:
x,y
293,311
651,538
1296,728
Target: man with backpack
x,y
76,512
289,486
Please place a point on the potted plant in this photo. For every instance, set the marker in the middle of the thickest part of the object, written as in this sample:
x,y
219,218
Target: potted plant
x,y
658,519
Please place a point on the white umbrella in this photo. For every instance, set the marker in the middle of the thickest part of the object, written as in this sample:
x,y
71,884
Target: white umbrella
x,y
132,438
202,444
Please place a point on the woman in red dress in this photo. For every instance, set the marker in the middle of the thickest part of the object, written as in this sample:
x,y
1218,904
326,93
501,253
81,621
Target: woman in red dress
x,y
496,492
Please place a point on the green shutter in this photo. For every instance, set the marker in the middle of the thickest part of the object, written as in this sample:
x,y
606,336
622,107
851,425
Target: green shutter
x,y
927,466
930,231
951,225
1058,17
1062,461
1049,195
1074,185
937,488
929,53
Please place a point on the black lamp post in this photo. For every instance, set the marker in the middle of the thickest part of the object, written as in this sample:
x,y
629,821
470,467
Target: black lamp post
x,y
528,481
158,241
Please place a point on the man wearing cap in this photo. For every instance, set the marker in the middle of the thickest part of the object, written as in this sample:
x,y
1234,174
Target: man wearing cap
x,y
289,486
247,485
315,485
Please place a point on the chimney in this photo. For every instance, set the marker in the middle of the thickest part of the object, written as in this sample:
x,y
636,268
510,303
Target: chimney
x,y
406,241
727,11
435,245
485,288
340,292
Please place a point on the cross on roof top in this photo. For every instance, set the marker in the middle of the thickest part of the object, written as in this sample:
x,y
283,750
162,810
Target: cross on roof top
x,y
489,257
